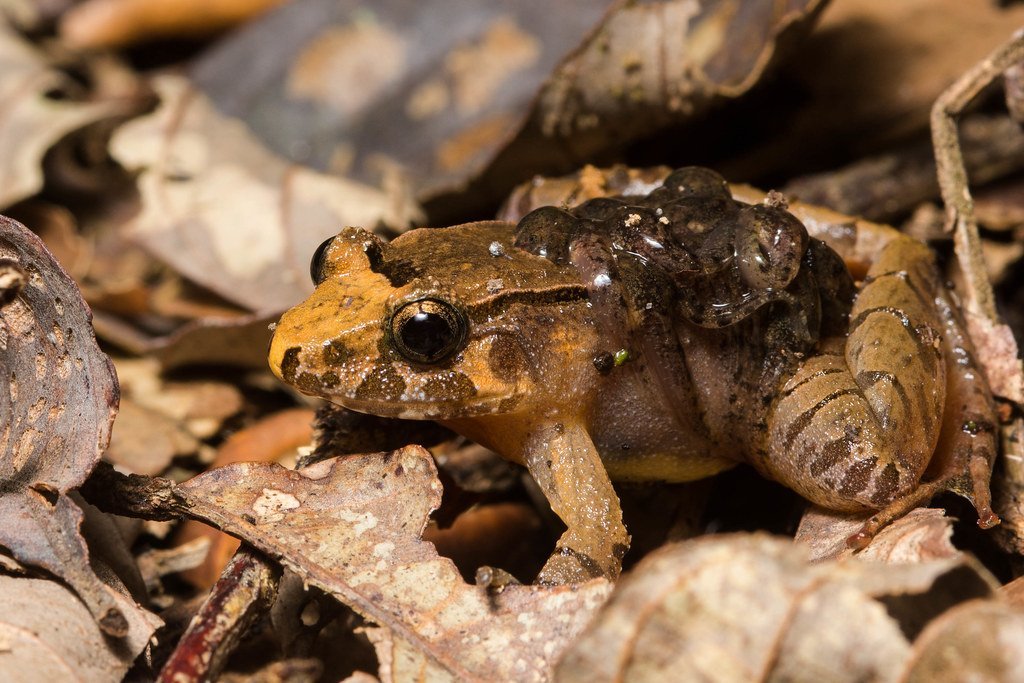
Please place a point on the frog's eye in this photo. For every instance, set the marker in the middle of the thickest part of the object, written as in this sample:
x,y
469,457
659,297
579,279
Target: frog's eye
x,y
316,264
428,330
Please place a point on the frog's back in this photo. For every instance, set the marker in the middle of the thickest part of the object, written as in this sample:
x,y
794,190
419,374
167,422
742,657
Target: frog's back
x,y
704,301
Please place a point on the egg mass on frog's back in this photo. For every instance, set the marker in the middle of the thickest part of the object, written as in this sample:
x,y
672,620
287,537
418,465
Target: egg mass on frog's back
x,y
723,259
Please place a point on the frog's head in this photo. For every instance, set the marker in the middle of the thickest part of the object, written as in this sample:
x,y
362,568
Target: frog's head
x,y
439,324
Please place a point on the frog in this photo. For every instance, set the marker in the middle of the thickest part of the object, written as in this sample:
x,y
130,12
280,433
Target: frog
x,y
663,333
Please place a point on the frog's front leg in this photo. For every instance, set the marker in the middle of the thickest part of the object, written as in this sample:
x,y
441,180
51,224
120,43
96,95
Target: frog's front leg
x,y
564,462
857,424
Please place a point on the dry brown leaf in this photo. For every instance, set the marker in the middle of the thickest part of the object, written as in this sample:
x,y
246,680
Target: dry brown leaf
x,y
887,186
58,229
920,535
237,341
456,91
509,534
161,420
361,677
289,671
895,57
1013,592
46,634
23,14
145,441
978,641
752,607
437,88
351,526
228,214
275,438
116,23
32,119
997,350
399,662
651,63
199,405
56,415
240,341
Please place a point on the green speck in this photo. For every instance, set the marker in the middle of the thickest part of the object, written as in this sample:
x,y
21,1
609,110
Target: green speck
x,y
621,356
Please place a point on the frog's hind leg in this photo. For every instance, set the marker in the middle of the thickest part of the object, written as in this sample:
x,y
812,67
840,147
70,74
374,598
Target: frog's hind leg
x,y
856,426
967,442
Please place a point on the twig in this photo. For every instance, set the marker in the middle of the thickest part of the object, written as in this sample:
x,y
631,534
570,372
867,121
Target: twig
x,y
133,495
243,594
953,181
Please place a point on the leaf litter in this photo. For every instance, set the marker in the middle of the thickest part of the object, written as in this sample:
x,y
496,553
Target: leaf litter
x,y
228,183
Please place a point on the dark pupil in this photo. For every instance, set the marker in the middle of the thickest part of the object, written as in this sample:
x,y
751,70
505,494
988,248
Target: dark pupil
x,y
426,334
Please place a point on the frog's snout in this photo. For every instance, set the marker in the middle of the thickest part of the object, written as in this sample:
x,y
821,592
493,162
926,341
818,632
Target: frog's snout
x,y
276,352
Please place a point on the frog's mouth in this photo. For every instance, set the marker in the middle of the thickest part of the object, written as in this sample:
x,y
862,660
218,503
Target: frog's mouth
x,y
406,409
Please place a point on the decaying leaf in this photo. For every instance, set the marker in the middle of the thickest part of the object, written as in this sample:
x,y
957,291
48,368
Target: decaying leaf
x,y
651,63
919,536
455,90
33,116
437,88
145,441
274,438
351,526
230,215
200,405
56,414
238,341
46,634
977,641
112,23
752,607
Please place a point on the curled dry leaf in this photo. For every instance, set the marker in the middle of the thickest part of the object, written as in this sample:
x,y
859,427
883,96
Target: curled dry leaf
x,y
48,635
976,641
351,526
455,90
56,413
648,64
919,536
33,117
752,607
225,212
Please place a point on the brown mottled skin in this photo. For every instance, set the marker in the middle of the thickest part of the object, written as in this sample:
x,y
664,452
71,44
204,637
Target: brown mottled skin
x,y
660,336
